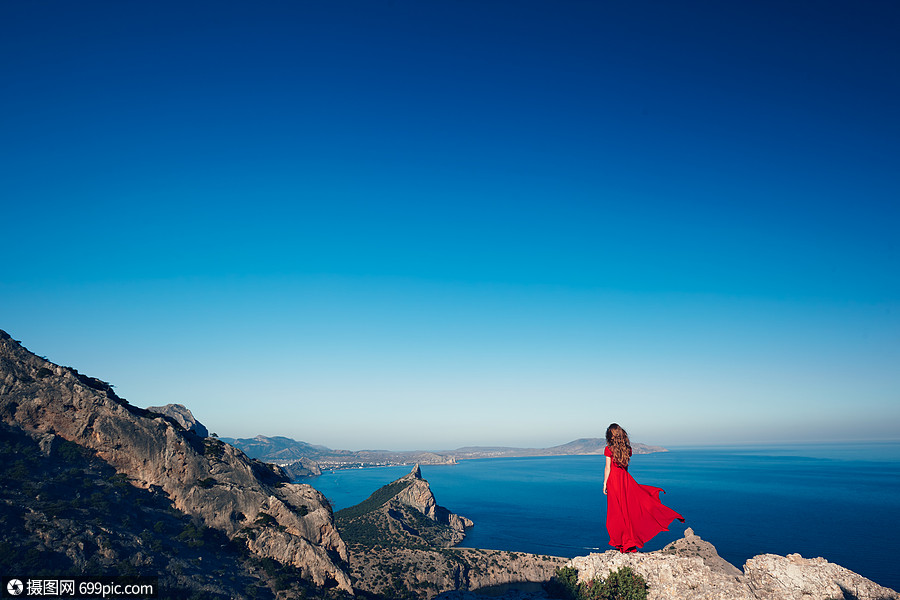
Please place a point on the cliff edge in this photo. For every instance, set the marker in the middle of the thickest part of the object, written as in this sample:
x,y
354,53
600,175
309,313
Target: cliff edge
x,y
690,569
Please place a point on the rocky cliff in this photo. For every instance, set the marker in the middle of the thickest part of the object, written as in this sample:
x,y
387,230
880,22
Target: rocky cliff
x,y
65,511
205,478
691,569
301,468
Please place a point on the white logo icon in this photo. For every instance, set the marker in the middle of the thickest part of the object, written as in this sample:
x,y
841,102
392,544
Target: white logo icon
x,y
14,587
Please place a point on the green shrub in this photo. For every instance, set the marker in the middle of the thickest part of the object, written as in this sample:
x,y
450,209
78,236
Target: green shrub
x,y
192,535
623,584
213,448
564,584
265,519
119,480
378,499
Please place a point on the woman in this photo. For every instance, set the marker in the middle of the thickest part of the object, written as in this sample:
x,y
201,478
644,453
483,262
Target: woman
x,y
634,513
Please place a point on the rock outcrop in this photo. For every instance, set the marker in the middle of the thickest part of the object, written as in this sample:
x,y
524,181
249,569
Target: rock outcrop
x,y
183,416
425,574
302,467
402,513
690,569
692,545
419,496
204,477
793,577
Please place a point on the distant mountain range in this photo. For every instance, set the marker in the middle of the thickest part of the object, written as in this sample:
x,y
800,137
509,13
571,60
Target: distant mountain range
x,y
313,459
577,447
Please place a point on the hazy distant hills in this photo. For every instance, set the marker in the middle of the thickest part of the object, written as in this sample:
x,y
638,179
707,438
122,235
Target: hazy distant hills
x,y
278,448
284,451
577,447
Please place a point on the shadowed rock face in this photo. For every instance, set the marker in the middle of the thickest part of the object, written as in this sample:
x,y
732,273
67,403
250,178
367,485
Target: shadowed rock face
x,y
204,477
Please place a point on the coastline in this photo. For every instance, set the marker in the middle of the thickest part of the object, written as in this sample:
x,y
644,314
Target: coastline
x,y
301,459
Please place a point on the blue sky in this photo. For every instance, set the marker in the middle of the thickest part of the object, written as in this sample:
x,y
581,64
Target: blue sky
x,y
432,224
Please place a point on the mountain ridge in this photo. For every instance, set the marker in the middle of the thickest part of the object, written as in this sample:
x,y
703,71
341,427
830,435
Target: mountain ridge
x,y
214,483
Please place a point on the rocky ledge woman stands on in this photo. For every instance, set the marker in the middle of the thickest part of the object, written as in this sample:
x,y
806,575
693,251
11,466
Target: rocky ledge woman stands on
x,y
634,513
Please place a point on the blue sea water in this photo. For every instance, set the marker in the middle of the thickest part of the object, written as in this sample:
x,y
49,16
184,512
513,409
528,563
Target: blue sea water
x,y
838,501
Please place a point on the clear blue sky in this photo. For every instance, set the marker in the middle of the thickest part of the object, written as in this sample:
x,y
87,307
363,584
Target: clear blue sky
x,y
419,224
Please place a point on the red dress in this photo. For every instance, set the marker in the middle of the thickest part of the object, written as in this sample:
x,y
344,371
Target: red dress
x,y
634,513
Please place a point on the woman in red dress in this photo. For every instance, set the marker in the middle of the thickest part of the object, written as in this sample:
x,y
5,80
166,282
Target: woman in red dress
x,y
634,513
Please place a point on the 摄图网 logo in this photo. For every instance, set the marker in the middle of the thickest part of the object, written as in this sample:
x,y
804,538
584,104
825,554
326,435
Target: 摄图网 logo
x,y
14,587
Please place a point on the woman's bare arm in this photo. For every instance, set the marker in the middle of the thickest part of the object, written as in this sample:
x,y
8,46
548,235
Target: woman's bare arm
x,y
606,473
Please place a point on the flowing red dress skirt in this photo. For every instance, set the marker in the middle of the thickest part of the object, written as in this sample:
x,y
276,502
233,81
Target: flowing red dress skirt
x,y
634,512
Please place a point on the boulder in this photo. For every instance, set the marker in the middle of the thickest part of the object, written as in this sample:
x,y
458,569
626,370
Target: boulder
x,y
183,416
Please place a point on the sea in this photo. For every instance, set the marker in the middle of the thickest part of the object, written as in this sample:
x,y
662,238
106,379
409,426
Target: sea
x,y
837,501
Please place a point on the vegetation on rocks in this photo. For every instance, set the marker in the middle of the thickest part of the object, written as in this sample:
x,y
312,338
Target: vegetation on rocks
x,y
378,499
622,584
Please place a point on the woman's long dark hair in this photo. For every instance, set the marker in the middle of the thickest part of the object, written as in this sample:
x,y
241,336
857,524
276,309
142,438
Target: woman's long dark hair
x,y
618,443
